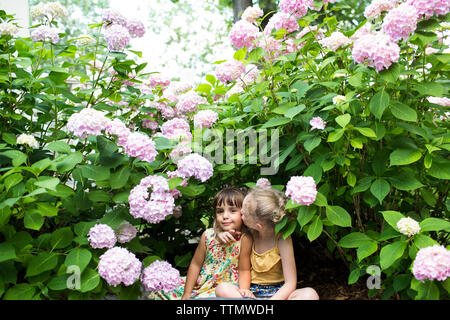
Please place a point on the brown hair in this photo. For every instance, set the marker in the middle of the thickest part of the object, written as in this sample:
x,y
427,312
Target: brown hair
x,y
270,204
230,195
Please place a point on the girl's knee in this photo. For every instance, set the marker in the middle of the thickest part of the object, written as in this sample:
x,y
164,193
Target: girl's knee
x,y
304,294
224,289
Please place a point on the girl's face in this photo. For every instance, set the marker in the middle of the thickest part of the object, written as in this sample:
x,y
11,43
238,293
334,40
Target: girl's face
x,y
248,208
228,217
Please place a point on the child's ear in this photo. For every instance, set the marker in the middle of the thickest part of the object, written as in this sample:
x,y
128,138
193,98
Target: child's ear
x,y
259,226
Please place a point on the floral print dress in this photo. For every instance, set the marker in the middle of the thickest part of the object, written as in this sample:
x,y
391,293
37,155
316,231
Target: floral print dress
x,y
220,265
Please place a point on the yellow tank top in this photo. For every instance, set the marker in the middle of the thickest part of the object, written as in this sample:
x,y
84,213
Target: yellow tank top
x,y
266,267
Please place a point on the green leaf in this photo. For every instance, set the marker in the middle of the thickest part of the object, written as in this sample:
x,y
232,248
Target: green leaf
x,y
426,291
392,217
391,253
33,220
12,180
335,135
47,182
423,241
290,229
401,282
434,224
47,209
354,240
315,229
22,291
312,143
401,157
379,103
192,190
184,260
61,238
321,200
291,113
440,169
96,173
7,252
403,112
380,189
78,257
58,146
42,262
343,120
89,280
405,182
339,216
240,54
430,89
114,218
119,178
366,132
69,162
275,122
305,214
366,249
58,77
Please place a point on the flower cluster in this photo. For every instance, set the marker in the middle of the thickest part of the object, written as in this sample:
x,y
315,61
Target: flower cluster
x,y
141,146
298,8
160,203
117,128
271,46
441,101
339,99
408,226
188,102
335,41
400,22
317,123
27,139
244,34
376,7
431,7
194,165
45,33
251,14
158,80
7,28
432,263
117,37
301,190
102,236
160,276
176,129
118,265
136,28
51,10
87,122
229,71
125,232
263,183
281,20
205,118
377,50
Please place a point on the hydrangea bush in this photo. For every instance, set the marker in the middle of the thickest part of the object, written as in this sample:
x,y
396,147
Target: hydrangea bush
x,y
101,173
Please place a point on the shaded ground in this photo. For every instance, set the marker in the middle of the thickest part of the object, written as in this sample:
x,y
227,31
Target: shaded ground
x,y
327,275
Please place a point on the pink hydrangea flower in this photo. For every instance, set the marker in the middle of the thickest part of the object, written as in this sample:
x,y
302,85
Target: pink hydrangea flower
x,y
152,207
45,33
244,34
298,8
271,46
160,276
167,112
118,265
159,80
400,22
263,183
176,129
102,236
125,232
431,7
317,123
188,102
250,14
205,118
432,263
230,71
183,147
377,50
301,190
136,28
117,128
87,122
117,37
281,20
441,101
141,146
194,165
335,41
113,16
376,7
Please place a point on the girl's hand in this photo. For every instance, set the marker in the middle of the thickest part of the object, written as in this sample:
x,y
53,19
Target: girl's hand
x,y
185,297
246,293
227,236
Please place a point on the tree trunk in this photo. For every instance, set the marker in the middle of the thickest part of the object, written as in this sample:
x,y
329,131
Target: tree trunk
x,y
267,6
239,6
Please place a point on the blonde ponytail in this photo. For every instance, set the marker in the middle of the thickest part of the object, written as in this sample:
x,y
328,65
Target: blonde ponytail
x,y
270,204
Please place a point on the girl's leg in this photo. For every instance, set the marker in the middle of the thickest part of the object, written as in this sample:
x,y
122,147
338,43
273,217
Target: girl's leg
x,y
304,294
227,290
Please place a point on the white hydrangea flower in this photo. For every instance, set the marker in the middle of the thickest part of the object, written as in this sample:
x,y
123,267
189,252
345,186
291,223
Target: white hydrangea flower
x,y
408,226
27,139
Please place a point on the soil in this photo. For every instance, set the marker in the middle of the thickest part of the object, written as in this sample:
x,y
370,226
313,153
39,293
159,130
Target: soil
x,y
326,274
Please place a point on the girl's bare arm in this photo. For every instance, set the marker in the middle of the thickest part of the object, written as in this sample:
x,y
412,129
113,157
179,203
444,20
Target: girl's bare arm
x,y
289,269
244,262
194,268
